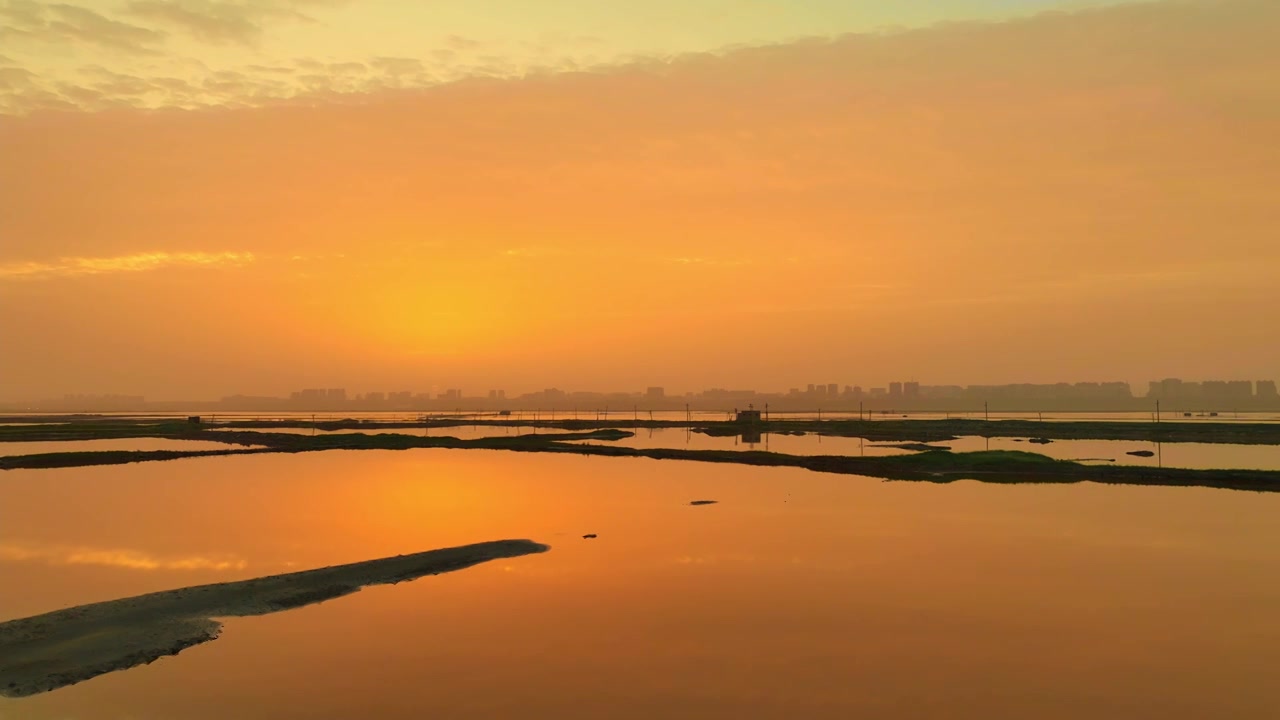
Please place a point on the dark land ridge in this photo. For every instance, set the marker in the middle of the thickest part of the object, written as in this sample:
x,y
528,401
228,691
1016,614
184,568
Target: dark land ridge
x,y
64,647
931,466
904,430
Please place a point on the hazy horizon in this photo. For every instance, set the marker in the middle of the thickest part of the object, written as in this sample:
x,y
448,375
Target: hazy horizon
x,y
200,200
1138,389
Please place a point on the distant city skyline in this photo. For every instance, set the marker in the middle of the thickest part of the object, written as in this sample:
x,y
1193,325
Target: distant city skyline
x,y
1178,392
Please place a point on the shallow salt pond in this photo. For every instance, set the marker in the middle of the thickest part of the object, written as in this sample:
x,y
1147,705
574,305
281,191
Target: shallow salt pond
x,y
462,432
797,595
1197,456
808,444
1180,455
59,446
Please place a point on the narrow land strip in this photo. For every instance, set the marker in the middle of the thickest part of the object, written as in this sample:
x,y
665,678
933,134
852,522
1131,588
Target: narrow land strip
x,y
1002,466
61,648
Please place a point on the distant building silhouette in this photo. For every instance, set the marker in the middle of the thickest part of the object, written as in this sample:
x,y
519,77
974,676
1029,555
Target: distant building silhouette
x,y
1208,391
1177,395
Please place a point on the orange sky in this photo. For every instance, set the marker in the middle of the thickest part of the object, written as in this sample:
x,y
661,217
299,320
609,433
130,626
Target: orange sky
x,y
1076,196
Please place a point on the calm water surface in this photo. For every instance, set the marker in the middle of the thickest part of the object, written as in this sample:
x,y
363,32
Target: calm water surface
x,y
462,432
54,446
799,595
1200,456
1182,455
619,415
808,444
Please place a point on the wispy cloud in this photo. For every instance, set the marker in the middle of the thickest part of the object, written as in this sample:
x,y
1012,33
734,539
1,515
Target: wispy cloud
x,y
138,262
531,252
121,558
221,22
60,24
707,261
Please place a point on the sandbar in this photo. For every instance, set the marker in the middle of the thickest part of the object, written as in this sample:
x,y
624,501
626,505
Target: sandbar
x,y
64,647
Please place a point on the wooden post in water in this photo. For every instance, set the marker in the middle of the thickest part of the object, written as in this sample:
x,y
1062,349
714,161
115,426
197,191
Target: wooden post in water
x,y
986,416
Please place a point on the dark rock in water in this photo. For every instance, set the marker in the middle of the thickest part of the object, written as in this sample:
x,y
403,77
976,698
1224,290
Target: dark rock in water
x,y
1019,440
1040,441
589,537
1141,453
703,502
